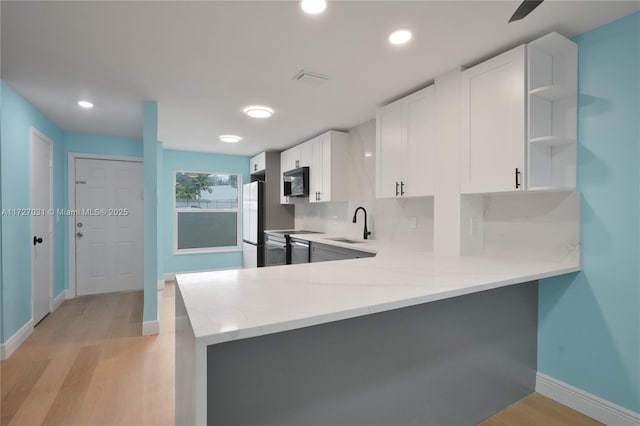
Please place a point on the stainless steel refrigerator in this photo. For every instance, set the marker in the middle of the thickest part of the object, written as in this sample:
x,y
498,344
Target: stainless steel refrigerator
x,y
253,206
262,211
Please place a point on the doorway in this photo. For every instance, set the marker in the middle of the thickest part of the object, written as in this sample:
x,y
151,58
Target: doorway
x,y
106,224
41,225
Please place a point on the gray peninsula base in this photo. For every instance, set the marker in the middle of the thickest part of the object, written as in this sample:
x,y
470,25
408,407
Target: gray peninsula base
x,y
450,362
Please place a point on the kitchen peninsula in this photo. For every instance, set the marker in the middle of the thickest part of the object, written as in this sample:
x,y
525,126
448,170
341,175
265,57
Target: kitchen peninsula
x,y
402,337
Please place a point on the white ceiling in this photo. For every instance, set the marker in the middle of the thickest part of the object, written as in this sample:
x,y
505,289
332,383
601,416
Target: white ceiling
x,y
204,61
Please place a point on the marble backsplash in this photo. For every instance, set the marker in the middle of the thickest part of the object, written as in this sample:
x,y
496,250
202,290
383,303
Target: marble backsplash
x,y
529,224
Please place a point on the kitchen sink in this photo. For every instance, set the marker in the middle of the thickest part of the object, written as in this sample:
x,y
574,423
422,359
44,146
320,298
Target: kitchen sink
x,y
344,240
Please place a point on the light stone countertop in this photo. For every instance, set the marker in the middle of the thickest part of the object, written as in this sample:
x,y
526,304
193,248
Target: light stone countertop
x,y
241,303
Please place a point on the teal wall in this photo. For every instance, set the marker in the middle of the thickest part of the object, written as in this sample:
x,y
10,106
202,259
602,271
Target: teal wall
x,y
150,147
18,116
185,160
589,322
159,216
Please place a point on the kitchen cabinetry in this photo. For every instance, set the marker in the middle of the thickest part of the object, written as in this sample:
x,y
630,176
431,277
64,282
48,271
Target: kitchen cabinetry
x,y
324,252
493,124
519,119
293,158
326,157
405,145
328,171
552,97
257,164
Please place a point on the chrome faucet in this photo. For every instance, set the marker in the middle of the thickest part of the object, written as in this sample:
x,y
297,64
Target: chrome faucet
x,y
355,216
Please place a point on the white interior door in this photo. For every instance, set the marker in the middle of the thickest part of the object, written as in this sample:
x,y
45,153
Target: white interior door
x,y
109,226
41,226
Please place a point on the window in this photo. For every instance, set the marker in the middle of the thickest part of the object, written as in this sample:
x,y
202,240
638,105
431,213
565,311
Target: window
x,y
206,211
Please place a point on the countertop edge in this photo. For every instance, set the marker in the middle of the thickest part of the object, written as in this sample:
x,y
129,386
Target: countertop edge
x,y
272,328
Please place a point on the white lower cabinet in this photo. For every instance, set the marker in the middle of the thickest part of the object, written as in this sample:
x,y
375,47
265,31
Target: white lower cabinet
x,y
405,146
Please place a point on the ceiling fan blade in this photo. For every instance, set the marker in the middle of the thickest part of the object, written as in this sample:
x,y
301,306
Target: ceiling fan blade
x,y
525,8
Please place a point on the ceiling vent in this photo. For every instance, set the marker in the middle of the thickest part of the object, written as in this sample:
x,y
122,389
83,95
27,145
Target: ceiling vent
x,y
312,78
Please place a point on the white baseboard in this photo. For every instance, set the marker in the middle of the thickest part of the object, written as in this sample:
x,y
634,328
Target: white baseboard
x,y
8,347
586,403
160,284
68,294
150,328
57,301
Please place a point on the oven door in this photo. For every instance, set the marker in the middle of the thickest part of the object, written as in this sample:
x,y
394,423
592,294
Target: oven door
x,y
275,251
299,251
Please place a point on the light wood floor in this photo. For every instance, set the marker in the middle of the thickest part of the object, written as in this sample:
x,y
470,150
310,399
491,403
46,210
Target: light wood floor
x,y
87,364
537,410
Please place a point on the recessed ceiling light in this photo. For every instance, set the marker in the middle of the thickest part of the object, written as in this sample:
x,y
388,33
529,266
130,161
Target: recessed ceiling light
x,y
368,154
313,7
85,104
229,138
400,37
257,111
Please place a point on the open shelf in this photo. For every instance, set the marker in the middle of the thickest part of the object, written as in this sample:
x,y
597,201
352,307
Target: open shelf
x,y
552,140
552,112
552,92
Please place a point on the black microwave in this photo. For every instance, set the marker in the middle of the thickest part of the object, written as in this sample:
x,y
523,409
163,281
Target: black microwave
x,y
296,182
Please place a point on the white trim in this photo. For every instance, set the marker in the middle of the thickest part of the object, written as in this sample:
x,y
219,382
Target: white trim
x,y
57,301
150,327
8,347
588,404
72,291
68,294
36,133
160,284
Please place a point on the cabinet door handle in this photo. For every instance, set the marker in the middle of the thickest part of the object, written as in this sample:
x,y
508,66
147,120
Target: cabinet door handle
x,y
255,167
397,192
401,187
297,164
518,184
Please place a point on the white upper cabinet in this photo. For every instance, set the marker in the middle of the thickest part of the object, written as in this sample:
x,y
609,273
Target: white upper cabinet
x,y
552,132
326,157
493,124
419,147
389,150
328,172
287,162
257,164
405,146
519,125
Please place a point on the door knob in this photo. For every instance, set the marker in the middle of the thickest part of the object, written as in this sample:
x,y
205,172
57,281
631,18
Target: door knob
x,y
37,240
79,234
